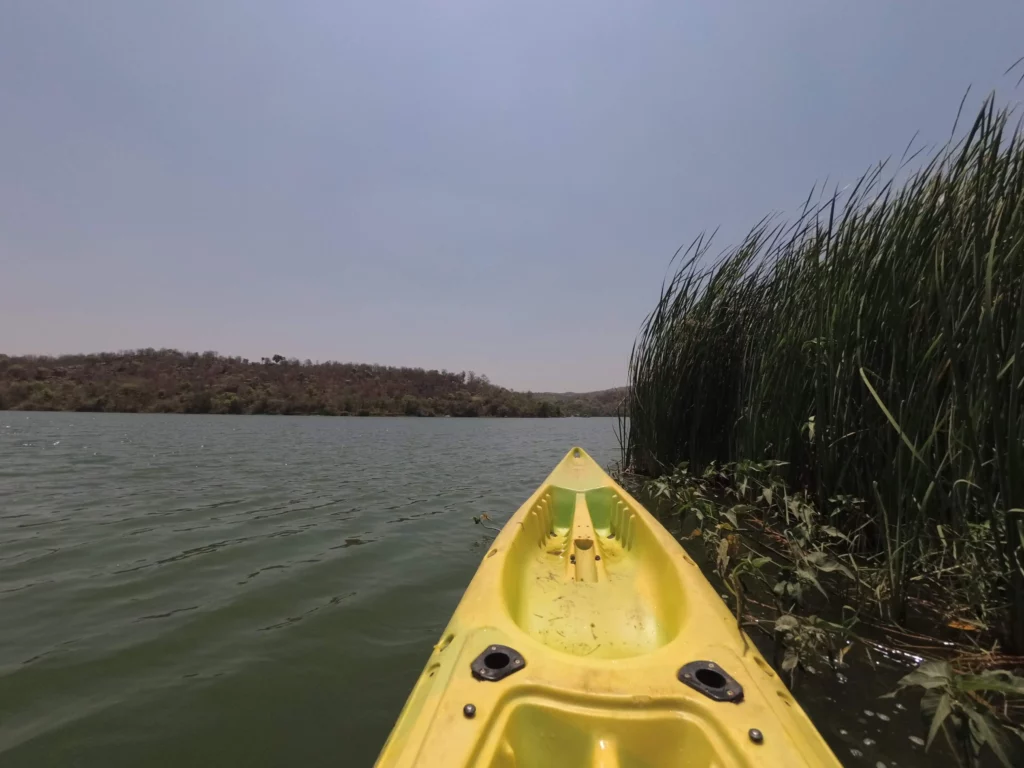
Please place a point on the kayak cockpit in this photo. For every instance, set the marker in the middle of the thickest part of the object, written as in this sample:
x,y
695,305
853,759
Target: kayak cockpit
x,y
582,577
539,732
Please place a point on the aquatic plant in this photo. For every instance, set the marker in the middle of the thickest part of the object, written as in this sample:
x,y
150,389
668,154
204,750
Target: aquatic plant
x,y
873,349
964,707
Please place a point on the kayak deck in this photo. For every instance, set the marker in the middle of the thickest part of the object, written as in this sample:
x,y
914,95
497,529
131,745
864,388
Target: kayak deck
x,y
588,637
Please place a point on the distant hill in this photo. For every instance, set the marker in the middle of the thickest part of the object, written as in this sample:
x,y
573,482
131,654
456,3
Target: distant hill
x,y
169,381
604,402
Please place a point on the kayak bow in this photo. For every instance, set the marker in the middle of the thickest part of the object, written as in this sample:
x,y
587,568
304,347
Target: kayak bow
x,y
588,637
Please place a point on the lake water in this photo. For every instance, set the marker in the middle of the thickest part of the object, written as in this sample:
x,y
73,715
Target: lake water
x,y
244,590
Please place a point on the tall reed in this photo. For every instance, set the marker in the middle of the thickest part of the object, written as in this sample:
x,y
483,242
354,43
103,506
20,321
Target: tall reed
x,y
875,345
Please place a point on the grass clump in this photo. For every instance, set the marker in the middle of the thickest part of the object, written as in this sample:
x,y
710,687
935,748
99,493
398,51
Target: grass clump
x,y
875,350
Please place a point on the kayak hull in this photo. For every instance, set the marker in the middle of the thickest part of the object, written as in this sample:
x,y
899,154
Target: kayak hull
x,y
589,637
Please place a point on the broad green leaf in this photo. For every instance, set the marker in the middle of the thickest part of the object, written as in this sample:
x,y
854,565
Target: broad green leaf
x,y
930,702
831,565
809,428
936,668
766,493
995,680
931,674
808,575
942,711
922,681
989,732
834,532
723,554
842,652
786,623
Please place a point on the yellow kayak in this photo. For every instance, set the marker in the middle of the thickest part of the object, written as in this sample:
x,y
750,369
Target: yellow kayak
x,y
588,637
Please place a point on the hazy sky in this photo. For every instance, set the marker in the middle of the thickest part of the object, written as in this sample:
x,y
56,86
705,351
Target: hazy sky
x,y
495,186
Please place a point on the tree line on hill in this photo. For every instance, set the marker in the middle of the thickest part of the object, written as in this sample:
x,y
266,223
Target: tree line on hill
x,y
169,381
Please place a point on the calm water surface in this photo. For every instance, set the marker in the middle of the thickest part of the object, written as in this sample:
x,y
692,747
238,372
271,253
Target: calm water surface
x,y
204,590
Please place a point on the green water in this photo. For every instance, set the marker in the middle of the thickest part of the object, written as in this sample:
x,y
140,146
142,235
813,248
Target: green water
x,y
179,590
205,590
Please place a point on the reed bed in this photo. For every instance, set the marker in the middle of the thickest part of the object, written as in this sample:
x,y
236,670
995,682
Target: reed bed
x,y
874,345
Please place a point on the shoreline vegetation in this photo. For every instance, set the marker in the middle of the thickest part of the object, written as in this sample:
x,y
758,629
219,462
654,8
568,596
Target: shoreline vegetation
x,y
835,408
169,381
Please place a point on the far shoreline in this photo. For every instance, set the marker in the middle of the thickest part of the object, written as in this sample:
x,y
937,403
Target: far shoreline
x,y
171,381
320,415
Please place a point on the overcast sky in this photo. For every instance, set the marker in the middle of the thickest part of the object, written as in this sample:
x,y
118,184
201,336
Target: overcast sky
x,y
494,186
